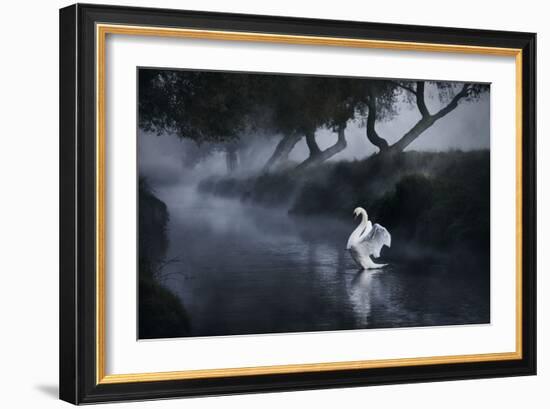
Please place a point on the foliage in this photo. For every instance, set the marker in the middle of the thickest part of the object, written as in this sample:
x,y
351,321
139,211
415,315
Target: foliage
x,y
220,108
202,106
161,313
441,200
153,222
303,104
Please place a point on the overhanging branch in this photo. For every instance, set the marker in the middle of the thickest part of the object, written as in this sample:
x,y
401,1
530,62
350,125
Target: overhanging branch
x,y
454,102
405,87
427,120
323,155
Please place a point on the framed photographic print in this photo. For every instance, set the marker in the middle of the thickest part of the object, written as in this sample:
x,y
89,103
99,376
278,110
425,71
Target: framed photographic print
x,y
257,203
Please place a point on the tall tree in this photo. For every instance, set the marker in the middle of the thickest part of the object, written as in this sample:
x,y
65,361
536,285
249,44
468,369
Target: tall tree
x,y
217,109
302,105
206,107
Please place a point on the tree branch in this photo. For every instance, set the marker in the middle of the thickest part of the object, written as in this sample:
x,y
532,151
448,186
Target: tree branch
x,y
411,90
372,135
420,99
426,121
413,133
454,102
285,145
322,156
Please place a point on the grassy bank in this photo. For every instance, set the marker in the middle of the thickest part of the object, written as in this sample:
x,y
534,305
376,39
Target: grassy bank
x,y
161,313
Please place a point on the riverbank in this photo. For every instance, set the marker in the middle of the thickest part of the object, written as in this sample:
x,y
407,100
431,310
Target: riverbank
x,y
161,313
435,200
245,268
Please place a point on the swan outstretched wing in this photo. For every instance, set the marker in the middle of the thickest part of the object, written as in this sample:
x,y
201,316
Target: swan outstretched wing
x,y
368,228
375,239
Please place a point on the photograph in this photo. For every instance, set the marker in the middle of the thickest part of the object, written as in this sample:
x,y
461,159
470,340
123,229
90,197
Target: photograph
x,y
290,202
252,201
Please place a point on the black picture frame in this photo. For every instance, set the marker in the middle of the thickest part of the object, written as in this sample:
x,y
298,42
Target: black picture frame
x,y
78,357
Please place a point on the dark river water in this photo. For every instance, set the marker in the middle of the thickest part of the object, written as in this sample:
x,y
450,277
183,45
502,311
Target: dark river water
x,y
243,269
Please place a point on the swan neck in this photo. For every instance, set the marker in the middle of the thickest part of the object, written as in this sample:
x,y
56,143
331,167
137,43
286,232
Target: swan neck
x,y
364,219
356,234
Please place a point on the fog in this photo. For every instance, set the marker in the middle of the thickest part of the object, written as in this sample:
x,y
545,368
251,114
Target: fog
x,y
240,269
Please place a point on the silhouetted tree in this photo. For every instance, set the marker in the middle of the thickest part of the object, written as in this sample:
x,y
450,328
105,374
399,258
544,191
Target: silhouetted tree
x,y
381,98
302,105
206,107
217,109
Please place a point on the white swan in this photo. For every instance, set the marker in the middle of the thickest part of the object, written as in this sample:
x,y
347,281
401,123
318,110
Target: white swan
x,y
366,240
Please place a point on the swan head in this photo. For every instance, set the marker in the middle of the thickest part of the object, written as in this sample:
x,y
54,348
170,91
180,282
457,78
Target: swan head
x,y
359,211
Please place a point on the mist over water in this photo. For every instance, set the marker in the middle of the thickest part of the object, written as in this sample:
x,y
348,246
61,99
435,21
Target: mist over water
x,y
243,269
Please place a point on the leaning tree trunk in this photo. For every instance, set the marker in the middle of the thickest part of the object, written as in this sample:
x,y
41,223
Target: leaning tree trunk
x,y
318,156
427,119
311,143
282,150
372,135
231,158
411,135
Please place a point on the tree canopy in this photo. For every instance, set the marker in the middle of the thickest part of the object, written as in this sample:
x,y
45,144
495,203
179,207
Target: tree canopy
x,y
202,106
220,107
